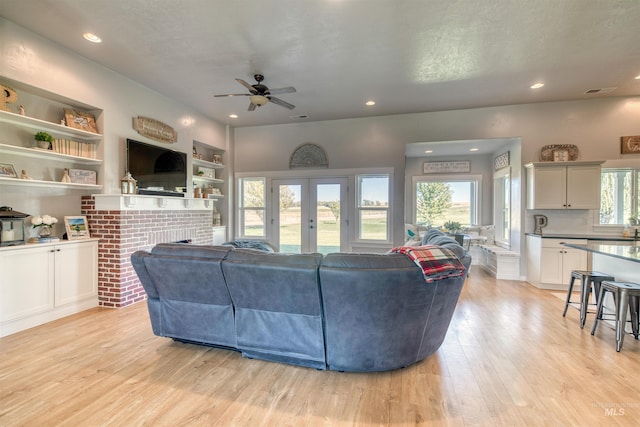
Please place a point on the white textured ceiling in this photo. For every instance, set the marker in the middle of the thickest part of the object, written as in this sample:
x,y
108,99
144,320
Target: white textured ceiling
x,y
409,56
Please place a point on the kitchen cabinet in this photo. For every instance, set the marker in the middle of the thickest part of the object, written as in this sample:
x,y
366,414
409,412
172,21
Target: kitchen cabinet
x,y
46,281
549,262
563,185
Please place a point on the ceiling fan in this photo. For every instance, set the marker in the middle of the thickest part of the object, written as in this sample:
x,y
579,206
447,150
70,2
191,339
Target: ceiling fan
x,y
260,94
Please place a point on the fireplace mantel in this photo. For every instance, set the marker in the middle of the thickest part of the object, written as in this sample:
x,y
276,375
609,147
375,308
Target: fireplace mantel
x,y
137,202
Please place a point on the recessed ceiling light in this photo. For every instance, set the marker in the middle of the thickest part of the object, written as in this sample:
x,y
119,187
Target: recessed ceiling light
x,y
233,116
638,77
92,37
428,151
370,103
537,85
473,149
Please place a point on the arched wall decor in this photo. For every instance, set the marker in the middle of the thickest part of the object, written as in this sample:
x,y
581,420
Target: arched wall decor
x,y
308,156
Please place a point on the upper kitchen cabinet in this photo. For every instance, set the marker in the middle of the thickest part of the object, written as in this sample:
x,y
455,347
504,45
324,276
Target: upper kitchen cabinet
x,y
563,185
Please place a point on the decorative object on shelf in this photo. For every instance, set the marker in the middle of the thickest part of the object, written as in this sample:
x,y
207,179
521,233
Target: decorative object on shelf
x,y
559,153
308,156
630,144
206,172
216,219
7,170
459,166
502,161
195,154
44,140
196,193
155,129
25,175
63,122
7,96
77,227
83,176
80,120
44,224
217,159
21,110
128,184
65,176
11,227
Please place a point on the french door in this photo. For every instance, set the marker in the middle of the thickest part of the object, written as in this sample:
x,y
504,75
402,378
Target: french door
x,y
309,215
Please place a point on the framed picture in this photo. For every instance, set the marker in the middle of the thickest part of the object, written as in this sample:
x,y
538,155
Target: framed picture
x,y
77,227
502,161
7,170
80,120
81,176
560,155
630,144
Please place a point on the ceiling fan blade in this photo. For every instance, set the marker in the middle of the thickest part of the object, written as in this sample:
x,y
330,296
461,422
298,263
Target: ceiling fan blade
x,y
281,90
232,94
281,103
252,106
247,85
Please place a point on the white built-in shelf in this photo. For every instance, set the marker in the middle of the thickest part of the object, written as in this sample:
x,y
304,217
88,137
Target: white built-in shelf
x,y
47,184
214,196
207,179
47,154
43,125
206,164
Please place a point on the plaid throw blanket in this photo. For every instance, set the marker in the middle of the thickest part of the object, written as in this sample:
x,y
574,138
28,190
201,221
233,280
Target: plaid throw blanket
x,y
436,262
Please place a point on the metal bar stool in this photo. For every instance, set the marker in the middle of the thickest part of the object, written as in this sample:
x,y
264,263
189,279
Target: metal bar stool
x,y
587,280
625,295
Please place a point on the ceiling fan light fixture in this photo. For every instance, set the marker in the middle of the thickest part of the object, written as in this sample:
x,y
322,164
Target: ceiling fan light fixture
x,y
258,100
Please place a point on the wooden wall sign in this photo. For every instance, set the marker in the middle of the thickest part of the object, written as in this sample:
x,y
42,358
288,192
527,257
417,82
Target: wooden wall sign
x,y
154,129
447,167
630,144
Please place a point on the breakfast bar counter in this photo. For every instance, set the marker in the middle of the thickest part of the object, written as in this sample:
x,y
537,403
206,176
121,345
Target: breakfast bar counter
x,y
621,261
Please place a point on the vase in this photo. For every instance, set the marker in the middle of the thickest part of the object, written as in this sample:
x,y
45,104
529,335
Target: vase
x,y
45,231
43,144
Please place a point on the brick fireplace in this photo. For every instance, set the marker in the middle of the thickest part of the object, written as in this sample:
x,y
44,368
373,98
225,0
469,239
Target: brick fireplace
x,y
125,224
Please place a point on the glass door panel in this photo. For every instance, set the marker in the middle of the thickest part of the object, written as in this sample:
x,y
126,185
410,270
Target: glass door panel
x,y
311,215
328,217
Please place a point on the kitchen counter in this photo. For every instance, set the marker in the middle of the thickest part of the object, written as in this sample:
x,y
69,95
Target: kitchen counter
x,y
625,252
582,236
620,261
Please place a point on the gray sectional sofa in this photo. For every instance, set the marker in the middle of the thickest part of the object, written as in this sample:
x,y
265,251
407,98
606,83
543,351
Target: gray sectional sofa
x,y
342,311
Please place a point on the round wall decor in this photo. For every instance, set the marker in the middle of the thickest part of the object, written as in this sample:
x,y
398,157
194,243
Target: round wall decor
x,y
308,156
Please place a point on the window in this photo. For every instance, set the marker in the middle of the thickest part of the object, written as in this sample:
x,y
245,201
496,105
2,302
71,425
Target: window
x,y
502,205
439,199
372,207
252,207
619,195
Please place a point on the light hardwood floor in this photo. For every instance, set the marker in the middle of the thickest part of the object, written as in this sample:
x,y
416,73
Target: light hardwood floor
x,y
509,359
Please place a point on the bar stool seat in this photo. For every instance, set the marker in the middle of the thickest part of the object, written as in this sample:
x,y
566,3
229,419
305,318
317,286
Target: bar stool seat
x,y
625,295
587,280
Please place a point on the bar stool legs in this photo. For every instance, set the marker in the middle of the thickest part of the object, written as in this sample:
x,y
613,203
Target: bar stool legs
x,y
625,296
587,279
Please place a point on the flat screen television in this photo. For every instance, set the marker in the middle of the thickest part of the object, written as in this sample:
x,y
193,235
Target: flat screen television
x,y
158,170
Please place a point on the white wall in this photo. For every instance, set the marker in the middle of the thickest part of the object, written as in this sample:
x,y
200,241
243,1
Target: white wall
x,y
594,125
35,61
